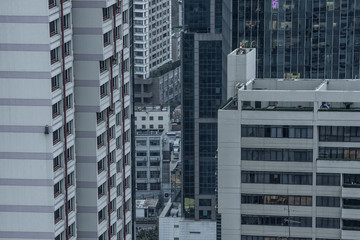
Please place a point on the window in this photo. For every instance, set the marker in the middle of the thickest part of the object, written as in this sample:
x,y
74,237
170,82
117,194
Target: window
x,y
56,136
143,118
161,126
151,118
141,143
155,186
112,181
113,229
141,174
118,142
327,222
101,215
70,179
67,49
58,214
57,162
205,214
327,201
71,230
56,109
126,69
119,189
58,188
279,131
55,82
125,16
103,236
101,190
328,179
126,89
160,118
52,3
114,82
103,66
276,178
103,90
113,205
69,128
99,117
101,165
154,142
68,101
61,236
126,40
67,21
53,27
107,38
205,202
68,75
106,13
154,174
118,32
71,204
273,154
151,126
154,163
100,141
339,134
276,220
154,153
141,186
112,132
352,179
54,55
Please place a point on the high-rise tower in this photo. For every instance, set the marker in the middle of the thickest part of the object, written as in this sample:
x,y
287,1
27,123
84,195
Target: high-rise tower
x,y
298,38
65,68
202,95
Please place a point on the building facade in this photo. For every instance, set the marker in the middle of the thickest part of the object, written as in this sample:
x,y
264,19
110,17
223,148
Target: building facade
x,y
103,106
152,30
201,96
37,152
63,62
149,164
153,118
287,157
307,39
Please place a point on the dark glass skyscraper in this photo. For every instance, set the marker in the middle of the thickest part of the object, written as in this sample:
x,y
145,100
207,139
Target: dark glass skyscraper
x,y
306,38
202,95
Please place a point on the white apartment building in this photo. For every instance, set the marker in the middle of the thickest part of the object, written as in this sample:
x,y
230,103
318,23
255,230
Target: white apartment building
x,y
156,117
37,126
61,61
103,107
288,156
152,40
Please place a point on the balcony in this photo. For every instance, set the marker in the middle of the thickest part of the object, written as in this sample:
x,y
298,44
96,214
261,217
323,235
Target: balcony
x,y
351,191
350,212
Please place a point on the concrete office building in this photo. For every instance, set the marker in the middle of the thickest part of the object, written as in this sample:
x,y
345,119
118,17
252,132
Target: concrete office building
x,y
149,156
306,38
287,156
156,118
62,61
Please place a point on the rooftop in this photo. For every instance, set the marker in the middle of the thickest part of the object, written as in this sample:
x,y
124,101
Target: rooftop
x,y
157,108
148,132
146,203
296,95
